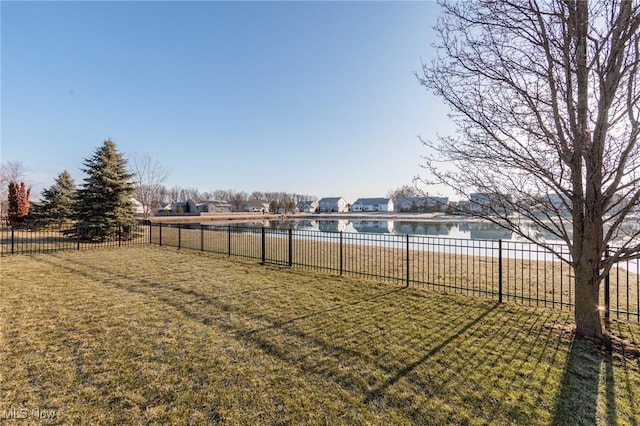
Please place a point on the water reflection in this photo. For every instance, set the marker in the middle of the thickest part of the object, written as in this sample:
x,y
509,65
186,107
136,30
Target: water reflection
x,y
322,225
424,228
485,231
462,229
374,226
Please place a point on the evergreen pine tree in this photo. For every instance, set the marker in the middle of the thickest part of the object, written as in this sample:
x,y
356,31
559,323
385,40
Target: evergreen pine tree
x,y
104,207
58,201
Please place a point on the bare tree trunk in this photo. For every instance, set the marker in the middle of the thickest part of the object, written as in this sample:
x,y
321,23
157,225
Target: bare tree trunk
x,y
587,313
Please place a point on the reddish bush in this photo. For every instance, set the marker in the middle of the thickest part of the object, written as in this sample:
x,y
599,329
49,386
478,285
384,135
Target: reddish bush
x,y
18,203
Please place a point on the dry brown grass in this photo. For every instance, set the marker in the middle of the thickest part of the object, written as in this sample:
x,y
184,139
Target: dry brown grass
x,y
535,282
162,336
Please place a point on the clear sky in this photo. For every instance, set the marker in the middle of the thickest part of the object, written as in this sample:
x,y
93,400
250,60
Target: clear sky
x,y
316,98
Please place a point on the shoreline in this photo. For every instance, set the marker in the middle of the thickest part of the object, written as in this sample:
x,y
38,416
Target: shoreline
x,y
372,216
226,217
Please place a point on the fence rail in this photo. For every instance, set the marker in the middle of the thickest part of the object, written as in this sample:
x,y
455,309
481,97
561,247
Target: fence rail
x,y
500,270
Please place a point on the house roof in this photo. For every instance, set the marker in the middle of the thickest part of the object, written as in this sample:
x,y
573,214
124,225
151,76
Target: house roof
x,y
256,203
329,200
216,202
372,201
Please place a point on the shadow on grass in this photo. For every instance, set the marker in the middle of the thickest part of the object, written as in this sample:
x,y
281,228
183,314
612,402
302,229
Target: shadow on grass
x,y
451,324
403,372
586,367
578,394
377,344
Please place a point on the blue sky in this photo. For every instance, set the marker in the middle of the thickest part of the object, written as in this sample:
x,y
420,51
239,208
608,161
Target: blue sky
x,y
317,98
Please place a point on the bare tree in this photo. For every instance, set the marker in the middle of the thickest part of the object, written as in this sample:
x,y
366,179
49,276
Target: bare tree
x,y
149,176
546,98
221,194
257,195
405,191
237,199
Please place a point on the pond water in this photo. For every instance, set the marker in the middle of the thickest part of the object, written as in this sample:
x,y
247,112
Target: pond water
x,y
445,228
473,230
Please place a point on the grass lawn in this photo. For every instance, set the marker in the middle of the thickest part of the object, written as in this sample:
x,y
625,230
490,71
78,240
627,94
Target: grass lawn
x,y
444,264
154,335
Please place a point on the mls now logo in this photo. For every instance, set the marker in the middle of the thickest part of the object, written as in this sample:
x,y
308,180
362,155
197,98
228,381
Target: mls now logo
x,y
24,413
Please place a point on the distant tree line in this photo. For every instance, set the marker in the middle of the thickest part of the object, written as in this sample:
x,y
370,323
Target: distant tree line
x,y
285,201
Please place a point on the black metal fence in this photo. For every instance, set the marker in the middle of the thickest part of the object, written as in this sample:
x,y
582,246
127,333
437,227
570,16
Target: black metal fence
x,y
55,238
497,269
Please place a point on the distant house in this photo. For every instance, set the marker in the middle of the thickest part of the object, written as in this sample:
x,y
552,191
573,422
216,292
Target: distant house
x,y
332,205
490,203
464,206
138,208
191,207
422,204
213,206
372,205
554,203
164,209
253,206
177,208
307,206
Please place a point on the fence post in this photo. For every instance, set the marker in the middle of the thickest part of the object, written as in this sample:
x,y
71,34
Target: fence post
x,y
607,293
500,271
201,237
408,280
263,246
120,236
78,235
179,236
150,228
13,240
341,252
228,240
160,236
290,247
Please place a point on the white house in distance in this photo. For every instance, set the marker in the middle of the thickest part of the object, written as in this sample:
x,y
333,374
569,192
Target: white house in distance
x,y
332,205
309,206
254,206
372,205
138,208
